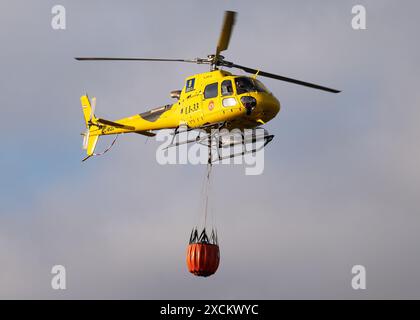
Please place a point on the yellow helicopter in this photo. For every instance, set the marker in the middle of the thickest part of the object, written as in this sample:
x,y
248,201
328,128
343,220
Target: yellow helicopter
x,y
212,100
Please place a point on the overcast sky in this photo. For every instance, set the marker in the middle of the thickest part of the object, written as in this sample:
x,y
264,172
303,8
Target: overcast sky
x,y
341,179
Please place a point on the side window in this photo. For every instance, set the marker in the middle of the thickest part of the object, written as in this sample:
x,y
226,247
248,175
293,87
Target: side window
x,y
210,91
227,88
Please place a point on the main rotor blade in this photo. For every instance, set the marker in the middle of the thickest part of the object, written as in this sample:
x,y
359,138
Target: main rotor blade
x,y
278,77
133,59
228,22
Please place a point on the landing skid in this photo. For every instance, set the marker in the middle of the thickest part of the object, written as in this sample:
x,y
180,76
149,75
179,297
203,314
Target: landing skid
x,y
219,140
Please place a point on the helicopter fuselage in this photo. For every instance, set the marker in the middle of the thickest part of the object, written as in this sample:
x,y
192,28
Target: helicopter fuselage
x,y
207,98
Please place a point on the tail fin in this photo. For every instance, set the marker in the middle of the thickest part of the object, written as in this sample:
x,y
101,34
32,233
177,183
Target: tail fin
x,y
88,109
89,140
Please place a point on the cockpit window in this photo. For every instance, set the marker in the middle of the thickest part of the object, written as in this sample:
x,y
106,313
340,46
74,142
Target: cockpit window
x,y
245,84
260,86
227,88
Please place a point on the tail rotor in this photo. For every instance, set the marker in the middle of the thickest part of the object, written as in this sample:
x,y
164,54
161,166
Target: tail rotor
x,y
90,136
85,139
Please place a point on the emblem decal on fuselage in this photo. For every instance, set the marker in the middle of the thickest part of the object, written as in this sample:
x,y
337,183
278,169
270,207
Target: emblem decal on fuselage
x,y
211,105
189,86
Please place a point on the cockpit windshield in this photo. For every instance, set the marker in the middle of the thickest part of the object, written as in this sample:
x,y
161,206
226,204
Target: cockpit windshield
x,y
246,84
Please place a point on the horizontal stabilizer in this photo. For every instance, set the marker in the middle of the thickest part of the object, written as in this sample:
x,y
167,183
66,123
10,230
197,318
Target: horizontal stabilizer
x,y
146,133
114,124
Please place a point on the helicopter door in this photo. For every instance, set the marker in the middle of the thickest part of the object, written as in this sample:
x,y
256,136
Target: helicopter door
x,y
211,102
228,100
